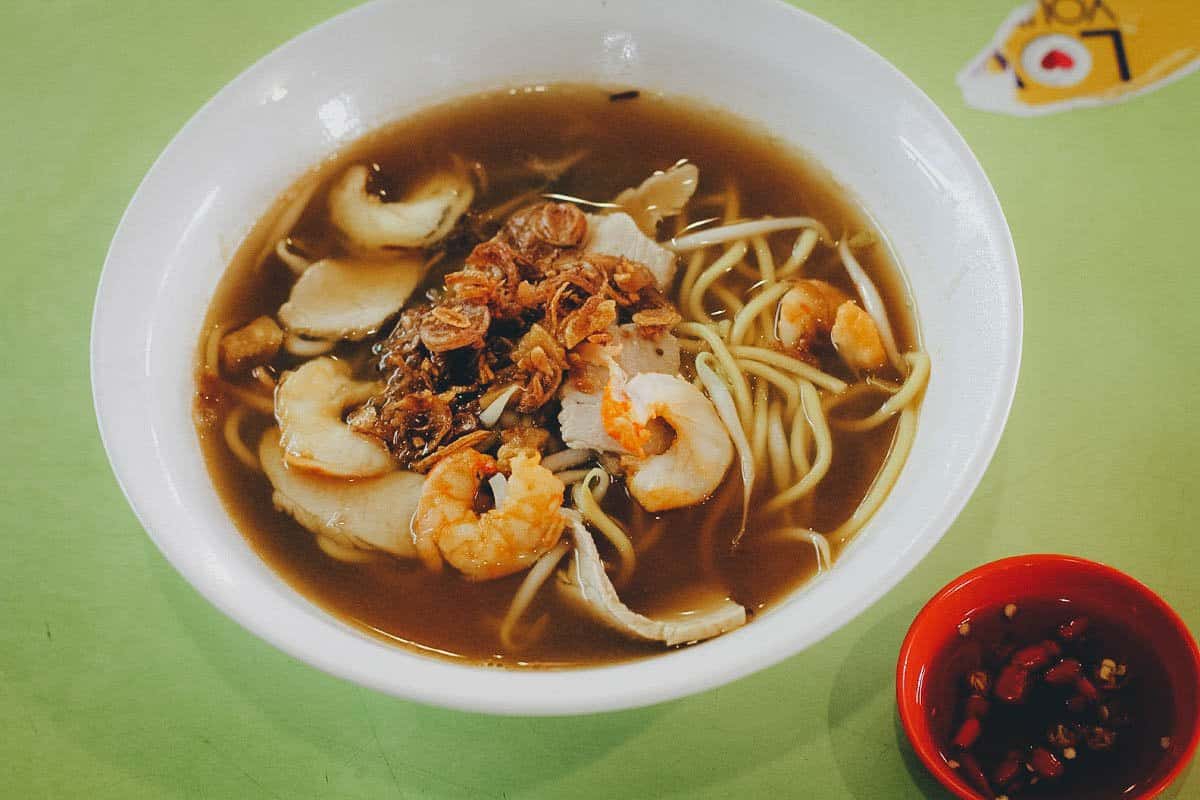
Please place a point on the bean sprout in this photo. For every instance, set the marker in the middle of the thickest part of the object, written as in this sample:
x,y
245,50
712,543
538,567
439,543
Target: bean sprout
x,y
744,230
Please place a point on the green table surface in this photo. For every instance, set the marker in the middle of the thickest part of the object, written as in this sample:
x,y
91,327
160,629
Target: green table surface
x,y
117,680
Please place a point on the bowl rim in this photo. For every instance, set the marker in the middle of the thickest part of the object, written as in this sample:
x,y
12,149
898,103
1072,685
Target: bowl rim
x,y
912,717
633,694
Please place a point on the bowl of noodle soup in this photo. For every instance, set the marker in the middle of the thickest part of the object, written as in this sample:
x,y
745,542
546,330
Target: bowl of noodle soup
x,y
557,368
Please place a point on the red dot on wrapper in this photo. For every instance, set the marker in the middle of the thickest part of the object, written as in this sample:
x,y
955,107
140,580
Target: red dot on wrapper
x,y
1057,59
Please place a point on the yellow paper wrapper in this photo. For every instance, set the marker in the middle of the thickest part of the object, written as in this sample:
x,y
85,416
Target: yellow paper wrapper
x,y
1055,55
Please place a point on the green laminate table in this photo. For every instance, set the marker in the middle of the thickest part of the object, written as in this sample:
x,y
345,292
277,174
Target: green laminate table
x,y
118,681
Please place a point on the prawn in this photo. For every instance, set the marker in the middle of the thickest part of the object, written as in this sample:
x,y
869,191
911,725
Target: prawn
x,y
509,538
689,470
813,307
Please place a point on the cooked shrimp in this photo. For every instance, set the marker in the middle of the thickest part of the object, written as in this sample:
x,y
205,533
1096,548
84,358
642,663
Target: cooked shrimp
x,y
524,524
813,308
807,311
856,338
691,468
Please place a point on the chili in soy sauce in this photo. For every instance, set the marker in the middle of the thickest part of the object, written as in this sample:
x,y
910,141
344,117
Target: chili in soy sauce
x,y
1042,699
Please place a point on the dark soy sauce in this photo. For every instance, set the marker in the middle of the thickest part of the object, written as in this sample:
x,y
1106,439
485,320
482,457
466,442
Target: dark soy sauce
x,y
1138,711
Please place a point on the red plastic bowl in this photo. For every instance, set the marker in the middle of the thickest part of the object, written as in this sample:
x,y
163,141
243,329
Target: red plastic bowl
x,y
1104,592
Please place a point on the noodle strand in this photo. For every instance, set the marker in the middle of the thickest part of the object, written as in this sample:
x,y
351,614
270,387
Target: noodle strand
x,y
790,387
232,430
830,402
736,380
289,216
918,377
891,387
819,542
798,444
789,363
566,459
212,351
733,304
872,303
901,445
758,431
527,591
733,202
806,242
751,311
743,230
777,448
766,261
694,267
585,503
695,299
570,477
718,392
824,457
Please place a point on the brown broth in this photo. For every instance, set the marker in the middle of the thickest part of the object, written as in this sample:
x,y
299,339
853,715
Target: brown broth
x,y
625,142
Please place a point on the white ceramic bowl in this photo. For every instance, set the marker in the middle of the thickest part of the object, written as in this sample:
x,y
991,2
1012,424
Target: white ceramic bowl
x,y
805,80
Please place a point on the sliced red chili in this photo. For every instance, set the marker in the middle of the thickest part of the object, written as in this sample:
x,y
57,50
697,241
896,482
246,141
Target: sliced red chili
x,y
968,733
1012,684
1087,689
1037,655
1008,771
1045,763
1064,673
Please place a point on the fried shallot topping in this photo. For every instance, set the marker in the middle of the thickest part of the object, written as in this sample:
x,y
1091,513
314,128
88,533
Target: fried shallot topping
x,y
454,325
538,361
512,315
540,232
